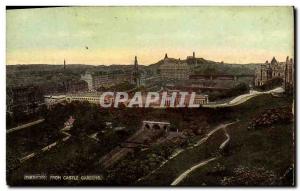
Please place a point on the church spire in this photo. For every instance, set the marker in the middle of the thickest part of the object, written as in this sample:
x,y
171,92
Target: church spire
x,y
136,75
136,68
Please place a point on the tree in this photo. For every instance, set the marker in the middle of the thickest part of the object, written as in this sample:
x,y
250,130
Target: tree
x,y
272,83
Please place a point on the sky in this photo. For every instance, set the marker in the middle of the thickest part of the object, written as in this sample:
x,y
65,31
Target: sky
x,y
114,35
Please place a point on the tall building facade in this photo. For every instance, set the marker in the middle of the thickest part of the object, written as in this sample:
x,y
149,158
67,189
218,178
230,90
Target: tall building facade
x,y
174,69
26,99
289,72
105,79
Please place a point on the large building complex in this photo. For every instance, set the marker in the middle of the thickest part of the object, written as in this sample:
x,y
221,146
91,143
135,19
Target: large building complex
x,y
174,69
105,79
92,97
108,79
275,69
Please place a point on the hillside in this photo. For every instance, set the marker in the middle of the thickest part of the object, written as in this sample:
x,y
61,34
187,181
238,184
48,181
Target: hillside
x,y
244,161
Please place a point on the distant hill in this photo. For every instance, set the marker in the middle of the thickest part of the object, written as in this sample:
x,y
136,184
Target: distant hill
x,y
45,74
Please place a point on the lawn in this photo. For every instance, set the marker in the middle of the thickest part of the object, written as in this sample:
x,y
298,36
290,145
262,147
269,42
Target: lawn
x,y
270,149
26,141
172,169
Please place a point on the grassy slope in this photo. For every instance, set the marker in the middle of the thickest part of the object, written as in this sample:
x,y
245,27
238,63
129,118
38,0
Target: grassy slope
x,y
269,148
25,141
171,170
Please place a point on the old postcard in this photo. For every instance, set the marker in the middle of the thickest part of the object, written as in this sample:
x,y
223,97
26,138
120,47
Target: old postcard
x,y
150,96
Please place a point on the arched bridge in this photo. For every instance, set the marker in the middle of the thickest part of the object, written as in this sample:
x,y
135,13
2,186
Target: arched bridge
x,y
156,125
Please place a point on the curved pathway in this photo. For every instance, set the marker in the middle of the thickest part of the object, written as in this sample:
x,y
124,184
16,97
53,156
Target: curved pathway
x,y
222,126
187,172
162,164
205,162
243,98
175,154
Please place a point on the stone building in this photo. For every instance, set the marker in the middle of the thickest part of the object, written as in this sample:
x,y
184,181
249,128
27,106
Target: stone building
x,y
25,99
191,60
91,97
174,69
273,69
105,79
73,86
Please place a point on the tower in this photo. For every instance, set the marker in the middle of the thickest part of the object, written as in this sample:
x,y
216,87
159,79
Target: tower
x,y
165,58
135,73
286,72
194,58
136,66
65,81
261,73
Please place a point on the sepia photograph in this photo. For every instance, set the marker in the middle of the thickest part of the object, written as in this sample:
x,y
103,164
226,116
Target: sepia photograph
x,y
150,96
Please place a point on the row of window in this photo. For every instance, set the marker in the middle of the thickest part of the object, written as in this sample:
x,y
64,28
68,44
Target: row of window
x,y
84,99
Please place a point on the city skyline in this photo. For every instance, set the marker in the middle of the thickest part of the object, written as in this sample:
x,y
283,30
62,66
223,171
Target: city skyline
x,y
114,35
